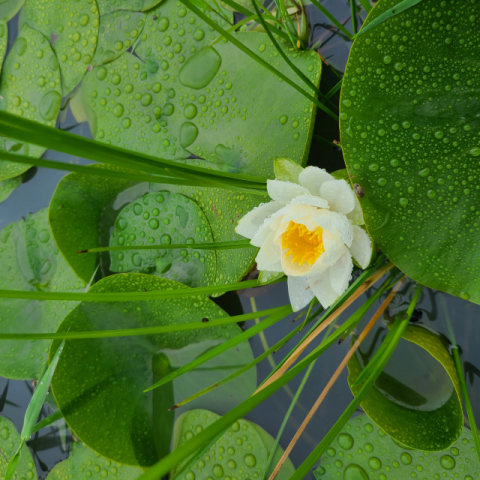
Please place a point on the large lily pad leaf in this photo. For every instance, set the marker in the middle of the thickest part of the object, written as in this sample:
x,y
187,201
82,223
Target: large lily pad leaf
x,y
363,451
413,418
76,211
226,107
9,8
31,261
9,442
107,6
72,29
241,452
99,383
121,103
410,138
31,89
118,32
164,218
86,462
8,186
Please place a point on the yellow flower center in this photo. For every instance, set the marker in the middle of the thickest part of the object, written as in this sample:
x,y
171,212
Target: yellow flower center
x,y
304,245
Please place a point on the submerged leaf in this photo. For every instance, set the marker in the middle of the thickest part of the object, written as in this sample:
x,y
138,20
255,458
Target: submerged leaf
x,y
107,6
410,139
241,452
9,443
164,218
85,461
363,451
31,261
118,32
99,383
409,416
30,88
71,26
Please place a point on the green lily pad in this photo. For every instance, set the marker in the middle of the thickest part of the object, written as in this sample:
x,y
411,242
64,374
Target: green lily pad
x,y
9,442
9,8
99,383
164,218
30,88
84,461
121,102
410,138
118,32
408,415
217,117
241,452
363,451
107,6
72,29
78,206
8,186
31,261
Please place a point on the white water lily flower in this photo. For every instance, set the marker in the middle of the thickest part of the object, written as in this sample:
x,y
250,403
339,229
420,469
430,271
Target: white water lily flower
x,y
310,232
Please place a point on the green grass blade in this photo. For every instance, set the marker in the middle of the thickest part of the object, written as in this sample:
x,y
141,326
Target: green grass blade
x,y
353,13
13,463
332,19
334,90
366,5
399,8
130,296
131,332
38,398
308,464
257,58
197,246
56,139
205,437
54,417
294,68
461,377
286,310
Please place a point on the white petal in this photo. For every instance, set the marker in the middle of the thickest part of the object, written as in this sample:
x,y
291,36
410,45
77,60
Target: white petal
x,y
322,289
313,200
334,249
339,195
341,273
356,215
252,221
259,238
284,191
313,178
299,292
361,248
295,212
270,222
269,255
291,268
335,222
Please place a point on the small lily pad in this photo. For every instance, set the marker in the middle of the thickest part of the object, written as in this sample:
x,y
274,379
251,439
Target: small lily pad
x,y
165,218
99,383
241,452
31,261
121,100
217,117
8,186
118,32
406,414
71,27
9,8
363,451
107,6
30,88
86,462
9,442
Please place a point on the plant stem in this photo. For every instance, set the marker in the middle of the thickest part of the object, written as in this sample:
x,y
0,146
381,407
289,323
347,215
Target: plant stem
x,y
263,339
353,12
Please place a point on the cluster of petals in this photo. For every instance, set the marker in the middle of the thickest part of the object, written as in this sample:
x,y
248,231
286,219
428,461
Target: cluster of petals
x,y
323,205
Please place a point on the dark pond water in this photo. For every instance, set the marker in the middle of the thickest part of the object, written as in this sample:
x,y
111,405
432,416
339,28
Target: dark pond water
x,y
50,445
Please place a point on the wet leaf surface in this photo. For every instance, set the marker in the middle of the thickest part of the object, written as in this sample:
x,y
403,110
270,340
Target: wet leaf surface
x,y
410,136
107,6
7,187
365,452
99,383
30,261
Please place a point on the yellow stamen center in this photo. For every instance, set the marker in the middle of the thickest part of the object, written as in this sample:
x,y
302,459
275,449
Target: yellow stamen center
x,y
305,246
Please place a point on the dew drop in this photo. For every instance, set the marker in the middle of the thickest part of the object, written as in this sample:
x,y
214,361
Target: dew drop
x,y
165,239
406,458
474,152
355,472
218,471
250,460
200,69
447,462
345,441
50,105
